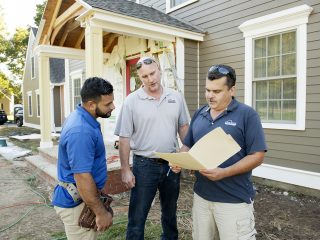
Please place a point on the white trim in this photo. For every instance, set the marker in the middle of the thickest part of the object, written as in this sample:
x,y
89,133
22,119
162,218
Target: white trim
x,y
131,26
53,124
59,52
288,175
291,19
29,94
198,75
181,5
37,94
180,62
48,144
66,92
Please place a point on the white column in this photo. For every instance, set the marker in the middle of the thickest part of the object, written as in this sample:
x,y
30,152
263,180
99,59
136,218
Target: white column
x,y
45,111
180,61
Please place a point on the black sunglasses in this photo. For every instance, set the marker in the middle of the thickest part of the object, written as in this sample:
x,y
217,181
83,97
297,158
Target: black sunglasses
x,y
146,61
218,70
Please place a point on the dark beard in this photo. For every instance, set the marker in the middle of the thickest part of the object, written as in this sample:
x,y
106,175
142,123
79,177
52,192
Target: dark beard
x,y
101,114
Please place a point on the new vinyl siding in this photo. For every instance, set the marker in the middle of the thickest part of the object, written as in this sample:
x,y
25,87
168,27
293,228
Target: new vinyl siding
x,y
224,44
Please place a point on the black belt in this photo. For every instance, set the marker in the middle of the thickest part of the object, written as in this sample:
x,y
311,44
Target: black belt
x,y
157,160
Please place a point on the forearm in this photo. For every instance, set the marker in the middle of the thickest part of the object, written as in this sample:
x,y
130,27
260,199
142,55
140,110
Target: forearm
x,y
245,165
183,131
124,152
89,192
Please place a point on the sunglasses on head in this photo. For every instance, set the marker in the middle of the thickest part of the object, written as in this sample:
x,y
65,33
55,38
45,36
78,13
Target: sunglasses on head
x,y
219,70
146,61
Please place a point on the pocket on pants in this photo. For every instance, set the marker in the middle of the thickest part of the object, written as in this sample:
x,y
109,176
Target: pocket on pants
x,y
245,229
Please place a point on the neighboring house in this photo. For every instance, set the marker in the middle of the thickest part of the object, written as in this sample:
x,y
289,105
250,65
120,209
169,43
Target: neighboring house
x,y
6,103
273,46
31,95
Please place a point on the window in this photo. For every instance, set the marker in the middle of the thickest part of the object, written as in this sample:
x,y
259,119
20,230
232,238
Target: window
x,y
29,94
32,68
274,77
173,5
76,92
38,103
275,68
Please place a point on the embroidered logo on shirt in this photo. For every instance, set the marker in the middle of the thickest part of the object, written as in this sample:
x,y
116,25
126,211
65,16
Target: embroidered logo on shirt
x,y
230,123
171,101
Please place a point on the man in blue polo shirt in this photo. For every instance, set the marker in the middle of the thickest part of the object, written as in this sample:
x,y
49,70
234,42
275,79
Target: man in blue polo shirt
x,y
82,161
223,197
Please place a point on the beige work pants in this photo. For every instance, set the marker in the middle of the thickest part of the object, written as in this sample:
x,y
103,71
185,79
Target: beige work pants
x,y
70,218
225,221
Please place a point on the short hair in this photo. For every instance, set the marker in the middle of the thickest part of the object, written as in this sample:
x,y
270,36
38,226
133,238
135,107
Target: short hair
x,y
94,87
219,71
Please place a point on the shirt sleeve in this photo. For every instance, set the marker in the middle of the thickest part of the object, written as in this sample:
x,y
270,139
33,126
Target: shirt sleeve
x,y
124,126
81,151
255,139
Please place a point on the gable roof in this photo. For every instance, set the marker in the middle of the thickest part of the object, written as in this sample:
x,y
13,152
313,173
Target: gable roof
x,y
132,9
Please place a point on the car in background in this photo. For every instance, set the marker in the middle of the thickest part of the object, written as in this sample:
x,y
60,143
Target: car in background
x,y
3,117
18,118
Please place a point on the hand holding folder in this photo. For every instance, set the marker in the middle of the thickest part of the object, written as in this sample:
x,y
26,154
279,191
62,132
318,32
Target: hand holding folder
x,y
208,153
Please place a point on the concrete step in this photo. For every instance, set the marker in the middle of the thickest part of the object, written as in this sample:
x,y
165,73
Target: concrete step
x,y
45,169
51,154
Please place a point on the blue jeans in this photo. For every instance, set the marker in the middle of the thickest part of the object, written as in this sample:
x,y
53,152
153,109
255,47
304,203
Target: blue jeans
x,y
150,176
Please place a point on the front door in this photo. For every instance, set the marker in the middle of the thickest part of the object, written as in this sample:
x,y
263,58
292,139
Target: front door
x,y
132,80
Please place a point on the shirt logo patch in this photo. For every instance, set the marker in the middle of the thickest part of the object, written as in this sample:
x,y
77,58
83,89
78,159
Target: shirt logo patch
x,y
171,101
230,123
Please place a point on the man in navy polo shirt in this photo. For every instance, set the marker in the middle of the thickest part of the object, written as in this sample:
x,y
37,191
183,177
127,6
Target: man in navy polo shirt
x,y
223,197
82,161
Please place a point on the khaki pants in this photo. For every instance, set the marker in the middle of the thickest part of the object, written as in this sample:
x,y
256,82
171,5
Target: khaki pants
x,y
225,221
70,217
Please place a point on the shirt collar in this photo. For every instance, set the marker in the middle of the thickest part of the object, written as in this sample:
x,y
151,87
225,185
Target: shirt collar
x,y
87,116
143,95
232,106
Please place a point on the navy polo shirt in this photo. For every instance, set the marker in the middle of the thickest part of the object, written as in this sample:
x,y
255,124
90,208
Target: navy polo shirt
x,y
81,150
243,124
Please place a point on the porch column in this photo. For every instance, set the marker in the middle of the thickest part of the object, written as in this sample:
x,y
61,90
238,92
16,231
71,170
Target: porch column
x,y
44,89
94,51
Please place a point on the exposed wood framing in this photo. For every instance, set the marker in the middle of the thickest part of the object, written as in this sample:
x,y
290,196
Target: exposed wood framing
x,y
80,39
54,17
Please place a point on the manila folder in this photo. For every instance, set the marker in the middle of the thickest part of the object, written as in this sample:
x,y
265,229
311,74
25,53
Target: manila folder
x,y
208,153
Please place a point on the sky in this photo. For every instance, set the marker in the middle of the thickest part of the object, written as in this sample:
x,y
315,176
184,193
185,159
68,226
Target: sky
x,y
19,13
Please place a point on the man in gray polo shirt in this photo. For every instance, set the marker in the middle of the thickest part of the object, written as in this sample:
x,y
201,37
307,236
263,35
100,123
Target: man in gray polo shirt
x,y
149,121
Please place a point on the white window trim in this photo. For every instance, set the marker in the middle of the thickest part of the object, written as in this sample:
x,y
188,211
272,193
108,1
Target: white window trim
x,y
291,19
171,9
74,75
37,103
33,61
29,94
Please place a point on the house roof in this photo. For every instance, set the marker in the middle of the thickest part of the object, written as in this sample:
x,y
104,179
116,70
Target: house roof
x,y
140,11
57,74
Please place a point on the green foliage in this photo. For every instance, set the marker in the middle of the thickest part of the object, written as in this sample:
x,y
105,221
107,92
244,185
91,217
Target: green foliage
x,y
39,12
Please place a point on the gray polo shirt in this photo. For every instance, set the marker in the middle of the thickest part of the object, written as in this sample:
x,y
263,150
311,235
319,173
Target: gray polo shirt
x,y
151,125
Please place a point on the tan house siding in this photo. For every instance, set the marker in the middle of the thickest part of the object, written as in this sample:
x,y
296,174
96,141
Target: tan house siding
x,y
30,85
224,44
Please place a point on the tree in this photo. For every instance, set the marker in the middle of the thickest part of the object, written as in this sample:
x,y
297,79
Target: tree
x,y
39,12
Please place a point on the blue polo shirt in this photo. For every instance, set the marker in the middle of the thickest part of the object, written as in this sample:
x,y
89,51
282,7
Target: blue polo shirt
x,y
243,124
81,150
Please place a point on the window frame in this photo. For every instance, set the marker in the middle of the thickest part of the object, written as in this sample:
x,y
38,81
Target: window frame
x,y
33,67
38,102
293,19
30,110
169,8
74,76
